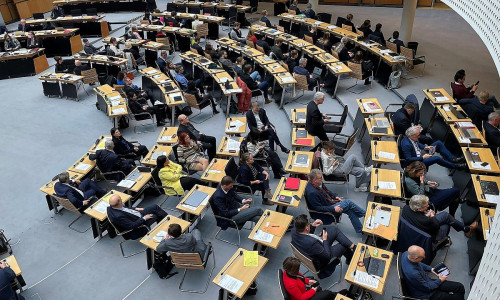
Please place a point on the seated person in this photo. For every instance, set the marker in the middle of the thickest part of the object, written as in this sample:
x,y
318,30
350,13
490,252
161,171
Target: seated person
x,y
22,26
91,49
257,120
214,54
171,69
120,78
226,63
325,42
365,28
492,133
190,153
403,119
162,61
378,34
348,21
134,218
414,151
294,6
332,165
171,175
322,199
395,39
82,194
193,90
134,33
238,68
263,43
309,12
416,184
113,46
254,85
235,33
32,42
108,161
460,91
295,283
139,108
176,241
259,148
366,65
420,285
292,60
254,176
196,22
134,52
7,276
172,21
315,120
208,142
11,43
301,70
125,148
183,81
79,67
342,49
265,19
276,49
230,205
320,249
418,214
251,36
313,33
130,86
196,46
484,104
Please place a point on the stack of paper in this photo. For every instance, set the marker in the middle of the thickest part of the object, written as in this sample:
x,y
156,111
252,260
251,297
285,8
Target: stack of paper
x,y
82,167
386,155
232,145
386,185
101,207
126,183
287,79
479,165
263,236
230,283
166,138
441,99
118,111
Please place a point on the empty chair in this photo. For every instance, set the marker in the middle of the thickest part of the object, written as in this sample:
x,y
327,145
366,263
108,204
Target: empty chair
x,y
412,61
357,72
38,16
194,10
126,237
336,126
75,12
91,11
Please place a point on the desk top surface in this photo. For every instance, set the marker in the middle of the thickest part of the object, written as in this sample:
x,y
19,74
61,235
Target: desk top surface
x,y
280,189
215,170
371,227
291,168
382,150
267,223
198,210
392,177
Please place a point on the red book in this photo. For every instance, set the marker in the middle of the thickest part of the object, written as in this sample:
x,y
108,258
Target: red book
x,y
303,141
292,184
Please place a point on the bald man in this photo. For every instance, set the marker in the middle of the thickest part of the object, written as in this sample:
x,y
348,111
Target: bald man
x,y
421,285
124,218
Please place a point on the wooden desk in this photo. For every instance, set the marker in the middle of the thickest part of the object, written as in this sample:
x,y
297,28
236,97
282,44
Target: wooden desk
x,y
352,266
364,106
99,143
99,219
23,62
188,210
111,103
370,124
310,139
264,60
225,42
342,297
215,171
267,219
314,51
432,95
88,25
389,147
338,68
298,122
83,165
324,57
465,141
486,220
60,84
149,161
385,175
485,155
222,152
290,168
299,44
151,244
390,232
481,197
14,265
236,131
275,68
140,181
448,116
166,136
234,268
48,188
282,206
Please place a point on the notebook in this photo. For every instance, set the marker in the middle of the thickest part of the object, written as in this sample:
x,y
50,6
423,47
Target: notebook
x,y
301,133
489,187
292,184
379,130
196,198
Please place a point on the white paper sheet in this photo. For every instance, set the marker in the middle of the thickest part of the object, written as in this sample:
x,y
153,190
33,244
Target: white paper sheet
x,y
101,207
492,198
232,145
478,165
230,283
118,111
386,185
287,79
263,236
126,183
441,99
82,167
115,103
382,217
386,155
166,138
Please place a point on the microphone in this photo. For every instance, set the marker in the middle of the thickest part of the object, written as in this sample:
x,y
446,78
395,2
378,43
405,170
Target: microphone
x,y
291,161
361,252
362,107
374,205
376,174
461,136
232,261
265,217
487,213
446,112
375,148
470,154
482,193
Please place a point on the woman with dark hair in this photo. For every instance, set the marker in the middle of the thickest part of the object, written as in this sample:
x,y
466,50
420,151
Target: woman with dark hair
x,y
416,184
32,42
365,28
261,149
214,55
125,148
297,285
120,78
193,90
171,175
254,176
189,153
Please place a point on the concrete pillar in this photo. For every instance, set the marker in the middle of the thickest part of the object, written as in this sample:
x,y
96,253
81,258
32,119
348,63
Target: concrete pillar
x,y
409,8
314,4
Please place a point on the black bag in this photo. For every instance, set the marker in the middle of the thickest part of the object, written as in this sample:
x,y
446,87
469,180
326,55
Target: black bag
x,y
233,107
123,122
187,110
163,265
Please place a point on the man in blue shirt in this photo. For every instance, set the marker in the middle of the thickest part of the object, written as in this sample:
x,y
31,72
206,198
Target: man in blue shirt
x,y
301,70
422,286
183,81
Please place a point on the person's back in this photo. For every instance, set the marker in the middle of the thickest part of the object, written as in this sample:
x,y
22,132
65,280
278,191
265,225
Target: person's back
x,y
6,277
419,284
420,220
492,136
401,121
312,119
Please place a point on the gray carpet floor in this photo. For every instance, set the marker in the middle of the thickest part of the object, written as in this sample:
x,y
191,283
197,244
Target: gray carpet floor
x,y
42,137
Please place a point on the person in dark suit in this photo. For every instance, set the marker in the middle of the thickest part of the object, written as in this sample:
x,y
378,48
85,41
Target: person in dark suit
x,y
7,275
348,22
22,26
230,205
79,68
395,39
197,46
137,107
294,6
276,50
56,12
81,193
61,66
108,161
292,59
319,198
255,176
414,151
264,44
378,33
257,120
320,249
172,21
130,86
492,133
88,48
176,241
32,42
208,142
200,97
315,120
256,87
265,19
403,119
484,104
136,219
162,61
301,70
365,28
125,148
309,12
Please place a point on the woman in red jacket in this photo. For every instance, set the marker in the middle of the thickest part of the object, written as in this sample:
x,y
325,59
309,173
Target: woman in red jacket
x,y
295,283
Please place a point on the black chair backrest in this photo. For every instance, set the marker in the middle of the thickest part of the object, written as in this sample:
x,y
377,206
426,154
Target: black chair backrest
x,y
416,114
254,3
37,16
340,21
400,150
208,10
75,12
91,11
324,17
171,6
413,46
284,293
174,151
403,290
233,11
195,10
409,235
239,2
156,176
181,8
344,115
232,168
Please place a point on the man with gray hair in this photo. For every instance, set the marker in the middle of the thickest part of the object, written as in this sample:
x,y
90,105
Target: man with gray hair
x,y
420,285
162,61
301,70
492,133
418,213
414,151
108,161
81,193
321,199
315,120
309,12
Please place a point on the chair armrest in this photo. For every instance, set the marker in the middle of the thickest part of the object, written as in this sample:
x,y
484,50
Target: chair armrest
x,y
130,230
208,250
325,213
143,113
168,188
113,172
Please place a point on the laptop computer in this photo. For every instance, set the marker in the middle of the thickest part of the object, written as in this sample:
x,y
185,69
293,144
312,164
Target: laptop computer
x,y
489,187
317,72
457,113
